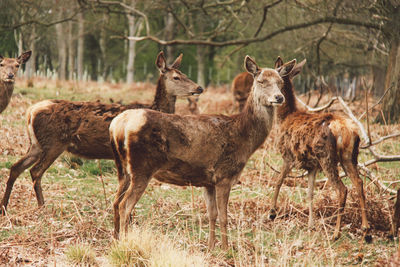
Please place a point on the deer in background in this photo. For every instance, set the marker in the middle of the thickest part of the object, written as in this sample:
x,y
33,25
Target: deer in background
x,y
207,151
316,142
241,87
55,126
8,71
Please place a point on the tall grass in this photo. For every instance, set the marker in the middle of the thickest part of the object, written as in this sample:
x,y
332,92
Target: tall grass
x,y
145,247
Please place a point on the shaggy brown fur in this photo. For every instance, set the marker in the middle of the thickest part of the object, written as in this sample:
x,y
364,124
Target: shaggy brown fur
x,y
8,71
241,87
206,150
317,142
82,127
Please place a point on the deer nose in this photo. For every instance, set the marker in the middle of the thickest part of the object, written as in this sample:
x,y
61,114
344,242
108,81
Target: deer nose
x,y
10,75
279,98
199,90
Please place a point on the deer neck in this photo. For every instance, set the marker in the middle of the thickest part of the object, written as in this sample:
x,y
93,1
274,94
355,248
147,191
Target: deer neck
x,y
255,121
289,106
163,101
6,91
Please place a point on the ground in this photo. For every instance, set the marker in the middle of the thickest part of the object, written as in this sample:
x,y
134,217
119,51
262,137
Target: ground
x,y
78,209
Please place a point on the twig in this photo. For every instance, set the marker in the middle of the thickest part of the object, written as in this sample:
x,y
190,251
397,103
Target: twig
x,y
376,181
102,182
289,176
377,103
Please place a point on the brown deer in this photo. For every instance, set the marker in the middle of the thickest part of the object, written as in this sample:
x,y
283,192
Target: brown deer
x,y
8,72
192,105
200,150
241,87
55,126
317,142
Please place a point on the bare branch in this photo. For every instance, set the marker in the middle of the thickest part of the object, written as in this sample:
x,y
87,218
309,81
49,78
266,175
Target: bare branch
x,y
256,39
310,109
132,9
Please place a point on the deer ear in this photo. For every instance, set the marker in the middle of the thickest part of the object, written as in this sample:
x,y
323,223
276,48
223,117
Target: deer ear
x,y
278,62
286,68
177,62
250,65
24,57
161,62
297,69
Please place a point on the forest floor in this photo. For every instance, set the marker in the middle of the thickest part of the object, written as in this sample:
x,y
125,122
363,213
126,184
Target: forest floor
x,y
78,210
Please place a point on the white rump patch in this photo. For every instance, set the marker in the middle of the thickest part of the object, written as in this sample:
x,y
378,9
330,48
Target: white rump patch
x,y
31,113
136,120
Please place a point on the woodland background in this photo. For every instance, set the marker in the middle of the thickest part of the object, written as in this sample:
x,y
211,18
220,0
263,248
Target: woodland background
x,y
342,40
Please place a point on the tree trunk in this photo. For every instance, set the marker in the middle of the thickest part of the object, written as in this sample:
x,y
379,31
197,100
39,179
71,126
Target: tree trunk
x,y
62,51
71,52
201,51
81,39
30,67
390,105
378,80
169,35
130,69
103,46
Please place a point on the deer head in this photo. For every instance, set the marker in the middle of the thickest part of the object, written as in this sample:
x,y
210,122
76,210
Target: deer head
x,y
10,66
267,83
176,83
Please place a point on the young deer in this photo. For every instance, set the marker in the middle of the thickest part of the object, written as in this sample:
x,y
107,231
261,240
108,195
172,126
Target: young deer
x,y
55,126
241,87
8,71
317,142
200,150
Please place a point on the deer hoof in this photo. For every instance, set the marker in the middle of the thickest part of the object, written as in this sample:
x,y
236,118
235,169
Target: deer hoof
x,y
272,214
368,239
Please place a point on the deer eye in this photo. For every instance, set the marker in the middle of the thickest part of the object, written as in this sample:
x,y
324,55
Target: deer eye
x,y
1,65
177,78
17,65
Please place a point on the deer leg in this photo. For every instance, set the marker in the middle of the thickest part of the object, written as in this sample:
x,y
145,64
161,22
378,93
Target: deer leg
x,y
284,172
310,196
123,186
330,169
24,163
352,172
47,158
138,184
222,197
209,196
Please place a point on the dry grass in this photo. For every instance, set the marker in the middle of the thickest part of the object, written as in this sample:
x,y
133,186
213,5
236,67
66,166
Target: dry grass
x,y
78,212
145,247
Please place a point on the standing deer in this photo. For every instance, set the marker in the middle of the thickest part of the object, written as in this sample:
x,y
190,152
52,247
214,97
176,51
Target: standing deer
x,y
241,87
55,126
8,71
200,150
317,142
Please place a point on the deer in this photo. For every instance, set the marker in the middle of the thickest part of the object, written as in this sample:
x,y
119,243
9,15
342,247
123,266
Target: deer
x,y
241,87
8,71
207,151
315,142
81,128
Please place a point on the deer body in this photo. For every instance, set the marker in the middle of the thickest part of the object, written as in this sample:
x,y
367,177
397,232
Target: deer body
x,y
241,87
315,142
206,150
55,126
8,71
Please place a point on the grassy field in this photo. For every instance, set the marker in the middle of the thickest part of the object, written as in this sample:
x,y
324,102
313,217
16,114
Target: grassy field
x,y
75,225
